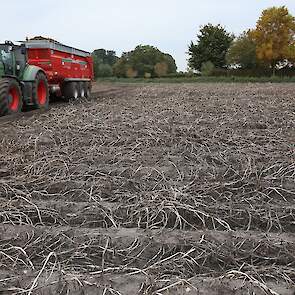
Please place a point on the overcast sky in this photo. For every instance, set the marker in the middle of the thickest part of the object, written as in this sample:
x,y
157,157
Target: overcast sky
x,y
120,25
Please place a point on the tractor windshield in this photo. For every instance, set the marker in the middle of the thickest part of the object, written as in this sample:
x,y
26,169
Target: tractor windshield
x,y
7,59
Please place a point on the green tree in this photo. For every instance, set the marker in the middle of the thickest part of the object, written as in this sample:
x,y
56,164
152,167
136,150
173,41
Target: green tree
x,y
142,61
103,61
242,52
275,36
96,63
106,56
172,68
212,45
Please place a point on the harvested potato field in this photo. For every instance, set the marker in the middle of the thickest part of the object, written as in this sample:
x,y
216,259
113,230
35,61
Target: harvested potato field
x,y
151,189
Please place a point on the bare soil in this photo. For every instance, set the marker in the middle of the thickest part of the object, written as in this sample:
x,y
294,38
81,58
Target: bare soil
x,y
151,189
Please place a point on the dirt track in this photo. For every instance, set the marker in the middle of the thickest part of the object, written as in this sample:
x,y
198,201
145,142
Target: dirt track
x,y
158,189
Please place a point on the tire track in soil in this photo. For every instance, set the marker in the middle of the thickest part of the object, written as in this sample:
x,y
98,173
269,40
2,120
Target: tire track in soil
x,y
59,103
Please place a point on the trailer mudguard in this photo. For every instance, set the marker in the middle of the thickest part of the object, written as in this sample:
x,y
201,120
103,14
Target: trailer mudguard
x,y
30,73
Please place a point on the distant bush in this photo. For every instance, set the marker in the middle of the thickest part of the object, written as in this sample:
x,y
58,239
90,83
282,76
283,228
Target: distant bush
x,y
189,74
131,73
207,68
161,69
256,72
203,79
120,68
104,70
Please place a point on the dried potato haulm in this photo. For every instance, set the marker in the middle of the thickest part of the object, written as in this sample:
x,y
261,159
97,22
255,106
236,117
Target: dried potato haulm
x,y
159,189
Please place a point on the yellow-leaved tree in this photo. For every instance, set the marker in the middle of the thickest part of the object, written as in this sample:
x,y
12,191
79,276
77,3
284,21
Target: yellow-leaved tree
x,y
275,36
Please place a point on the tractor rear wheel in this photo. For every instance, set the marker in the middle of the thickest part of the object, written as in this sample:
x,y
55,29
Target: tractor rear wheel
x,y
11,100
70,90
40,92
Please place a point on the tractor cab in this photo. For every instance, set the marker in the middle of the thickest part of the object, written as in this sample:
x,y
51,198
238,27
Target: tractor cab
x,y
6,60
12,59
20,83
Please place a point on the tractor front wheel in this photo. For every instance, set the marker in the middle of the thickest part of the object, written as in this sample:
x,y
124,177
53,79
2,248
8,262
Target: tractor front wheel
x,y
41,92
11,100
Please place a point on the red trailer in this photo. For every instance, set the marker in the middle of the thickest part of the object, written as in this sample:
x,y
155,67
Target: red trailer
x,y
69,71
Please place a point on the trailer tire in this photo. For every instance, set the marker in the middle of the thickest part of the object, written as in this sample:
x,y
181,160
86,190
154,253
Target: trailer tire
x,y
40,92
87,86
70,90
82,90
11,100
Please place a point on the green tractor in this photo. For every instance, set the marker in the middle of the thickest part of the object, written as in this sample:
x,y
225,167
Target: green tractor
x,y
21,84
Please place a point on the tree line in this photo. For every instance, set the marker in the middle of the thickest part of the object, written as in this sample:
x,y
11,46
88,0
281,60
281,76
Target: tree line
x,y
144,61
266,48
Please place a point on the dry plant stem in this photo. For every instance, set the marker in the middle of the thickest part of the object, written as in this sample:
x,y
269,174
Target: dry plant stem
x,y
30,291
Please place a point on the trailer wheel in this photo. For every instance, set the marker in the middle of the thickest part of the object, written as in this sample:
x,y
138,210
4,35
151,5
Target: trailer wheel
x,y
11,100
82,90
40,92
87,86
70,90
